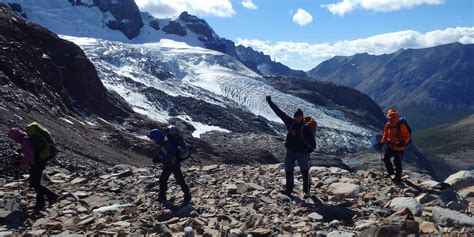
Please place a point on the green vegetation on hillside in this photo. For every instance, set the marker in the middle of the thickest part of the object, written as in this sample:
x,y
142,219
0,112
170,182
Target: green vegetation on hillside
x,y
447,139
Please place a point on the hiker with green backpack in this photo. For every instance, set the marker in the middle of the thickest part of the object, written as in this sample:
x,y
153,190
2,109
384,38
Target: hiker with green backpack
x,y
38,148
300,142
397,135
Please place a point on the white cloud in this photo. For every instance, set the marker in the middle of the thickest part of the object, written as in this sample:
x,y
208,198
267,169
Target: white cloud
x,y
302,17
249,4
167,8
305,56
345,6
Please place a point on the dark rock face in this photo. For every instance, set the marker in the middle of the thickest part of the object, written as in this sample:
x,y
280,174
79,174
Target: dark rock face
x,y
155,24
253,59
17,8
55,70
230,48
246,55
175,28
205,33
355,105
128,16
197,25
429,86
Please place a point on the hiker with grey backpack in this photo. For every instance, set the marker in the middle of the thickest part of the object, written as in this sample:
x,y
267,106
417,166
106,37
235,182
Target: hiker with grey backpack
x,y
173,150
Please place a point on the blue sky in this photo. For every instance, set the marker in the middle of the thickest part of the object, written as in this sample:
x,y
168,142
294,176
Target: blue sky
x,y
344,28
272,21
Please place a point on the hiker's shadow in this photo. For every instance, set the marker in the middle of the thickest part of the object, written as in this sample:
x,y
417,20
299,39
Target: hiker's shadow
x,y
335,212
183,210
329,213
13,215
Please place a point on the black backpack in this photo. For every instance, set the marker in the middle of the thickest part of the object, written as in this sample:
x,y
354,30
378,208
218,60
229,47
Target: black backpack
x,y
404,121
182,147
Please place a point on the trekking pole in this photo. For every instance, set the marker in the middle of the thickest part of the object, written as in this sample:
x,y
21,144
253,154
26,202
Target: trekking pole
x,y
18,184
155,169
17,177
381,162
309,177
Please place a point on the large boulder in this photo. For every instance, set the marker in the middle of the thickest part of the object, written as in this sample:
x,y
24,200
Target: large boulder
x,y
405,228
406,202
450,218
461,179
344,190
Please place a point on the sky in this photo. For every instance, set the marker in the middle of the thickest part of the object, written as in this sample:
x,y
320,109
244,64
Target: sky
x,y
303,33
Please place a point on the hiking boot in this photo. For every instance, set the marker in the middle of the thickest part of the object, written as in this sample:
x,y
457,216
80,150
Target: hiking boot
x,y
397,180
187,198
165,203
53,199
316,201
388,175
288,194
39,207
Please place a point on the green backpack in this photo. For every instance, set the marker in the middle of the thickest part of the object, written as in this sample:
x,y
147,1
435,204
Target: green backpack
x,y
43,143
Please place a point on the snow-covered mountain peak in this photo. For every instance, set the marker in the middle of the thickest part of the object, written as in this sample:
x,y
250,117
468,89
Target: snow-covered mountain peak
x,y
121,20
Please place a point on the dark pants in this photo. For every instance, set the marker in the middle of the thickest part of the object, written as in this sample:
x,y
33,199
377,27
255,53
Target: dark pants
x,y
36,175
397,155
303,162
178,175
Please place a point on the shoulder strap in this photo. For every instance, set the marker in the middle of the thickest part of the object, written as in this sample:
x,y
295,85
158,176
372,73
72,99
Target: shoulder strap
x,y
399,134
302,134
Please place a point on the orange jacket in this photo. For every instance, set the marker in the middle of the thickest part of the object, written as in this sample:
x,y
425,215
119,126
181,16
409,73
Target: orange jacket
x,y
393,136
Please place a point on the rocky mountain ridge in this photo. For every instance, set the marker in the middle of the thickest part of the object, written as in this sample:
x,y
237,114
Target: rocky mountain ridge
x,y
429,86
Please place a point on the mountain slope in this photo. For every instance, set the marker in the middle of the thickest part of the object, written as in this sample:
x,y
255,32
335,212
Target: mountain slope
x,y
454,141
47,79
50,80
430,86
122,21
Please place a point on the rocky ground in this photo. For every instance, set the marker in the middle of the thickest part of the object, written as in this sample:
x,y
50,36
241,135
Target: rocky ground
x,y
241,201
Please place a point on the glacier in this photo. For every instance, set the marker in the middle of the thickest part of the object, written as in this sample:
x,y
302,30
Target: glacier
x,y
196,72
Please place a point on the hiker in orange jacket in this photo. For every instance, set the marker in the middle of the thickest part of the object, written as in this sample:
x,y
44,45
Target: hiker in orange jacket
x,y
396,135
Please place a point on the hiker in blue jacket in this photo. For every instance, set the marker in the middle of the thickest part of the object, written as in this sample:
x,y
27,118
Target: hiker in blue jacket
x,y
172,146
